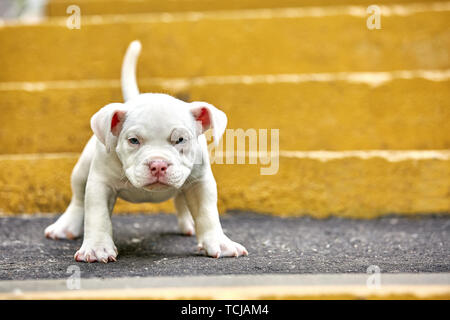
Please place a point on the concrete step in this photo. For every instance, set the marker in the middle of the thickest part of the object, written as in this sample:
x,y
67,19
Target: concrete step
x,y
360,184
266,41
338,113
390,257
409,286
102,7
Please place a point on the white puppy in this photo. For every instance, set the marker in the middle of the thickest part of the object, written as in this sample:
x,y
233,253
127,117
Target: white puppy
x,y
149,149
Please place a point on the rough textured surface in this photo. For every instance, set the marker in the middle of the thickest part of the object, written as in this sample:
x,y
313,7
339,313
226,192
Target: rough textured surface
x,y
402,114
152,246
348,187
218,45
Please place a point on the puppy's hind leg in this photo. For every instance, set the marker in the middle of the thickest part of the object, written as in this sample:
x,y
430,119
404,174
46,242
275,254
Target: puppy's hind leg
x,y
70,224
185,220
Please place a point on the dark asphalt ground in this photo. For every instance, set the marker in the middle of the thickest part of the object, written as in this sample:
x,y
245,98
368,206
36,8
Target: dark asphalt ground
x,y
150,245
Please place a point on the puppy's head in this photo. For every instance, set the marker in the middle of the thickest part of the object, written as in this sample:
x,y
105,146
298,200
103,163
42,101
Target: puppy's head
x,y
155,137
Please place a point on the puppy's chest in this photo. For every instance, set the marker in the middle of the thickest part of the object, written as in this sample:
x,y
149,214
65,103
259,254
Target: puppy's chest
x,y
138,195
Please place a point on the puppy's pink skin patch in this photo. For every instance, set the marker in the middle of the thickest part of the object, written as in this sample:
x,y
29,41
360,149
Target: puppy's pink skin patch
x,y
203,117
115,120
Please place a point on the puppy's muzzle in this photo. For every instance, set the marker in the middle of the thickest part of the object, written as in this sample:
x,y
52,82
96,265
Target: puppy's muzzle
x,y
158,168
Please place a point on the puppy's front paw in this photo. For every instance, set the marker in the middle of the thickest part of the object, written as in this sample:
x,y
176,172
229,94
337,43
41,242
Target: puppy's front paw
x,y
186,225
102,250
63,230
217,246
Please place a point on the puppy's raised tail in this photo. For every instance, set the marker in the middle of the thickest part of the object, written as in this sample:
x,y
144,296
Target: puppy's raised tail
x,y
128,77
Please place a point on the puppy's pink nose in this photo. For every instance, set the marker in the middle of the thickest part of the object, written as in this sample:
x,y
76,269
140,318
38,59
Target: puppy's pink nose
x,y
158,167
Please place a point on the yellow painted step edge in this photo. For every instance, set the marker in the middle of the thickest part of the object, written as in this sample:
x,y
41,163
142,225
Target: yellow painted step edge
x,y
102,7
293,33
388,110
358,184
247,293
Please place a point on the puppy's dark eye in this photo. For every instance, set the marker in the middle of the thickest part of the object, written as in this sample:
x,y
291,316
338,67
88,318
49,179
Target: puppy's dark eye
x,y
180,140
133,141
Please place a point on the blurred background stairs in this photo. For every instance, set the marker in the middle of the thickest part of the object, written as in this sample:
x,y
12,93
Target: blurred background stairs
x,y
363,115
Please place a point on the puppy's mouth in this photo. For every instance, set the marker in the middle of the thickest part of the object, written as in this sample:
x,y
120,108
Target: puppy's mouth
x,y
157,185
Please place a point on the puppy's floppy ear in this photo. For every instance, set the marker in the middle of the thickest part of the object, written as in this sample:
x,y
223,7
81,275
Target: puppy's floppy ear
x,y
107,124
208,116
